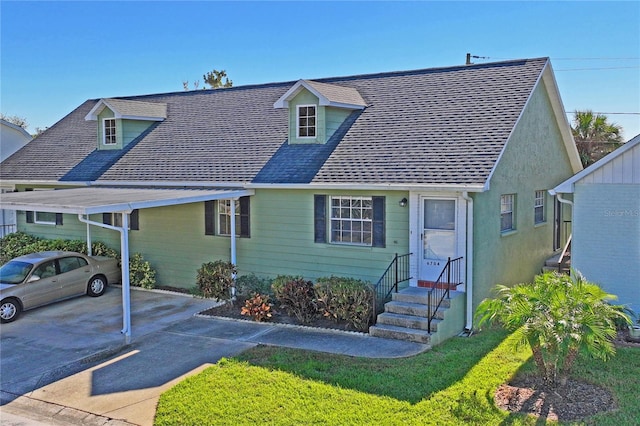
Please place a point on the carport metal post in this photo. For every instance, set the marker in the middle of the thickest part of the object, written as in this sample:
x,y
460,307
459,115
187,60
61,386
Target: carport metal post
x,y
233,244
124,256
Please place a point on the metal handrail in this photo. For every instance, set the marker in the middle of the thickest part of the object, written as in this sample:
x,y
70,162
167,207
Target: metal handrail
x,y
397,272
441,288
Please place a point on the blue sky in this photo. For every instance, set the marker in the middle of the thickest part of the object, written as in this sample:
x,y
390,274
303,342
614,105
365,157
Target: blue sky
x,y
55,55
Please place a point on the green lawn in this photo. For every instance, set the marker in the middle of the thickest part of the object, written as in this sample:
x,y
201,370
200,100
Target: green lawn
x,y
452,384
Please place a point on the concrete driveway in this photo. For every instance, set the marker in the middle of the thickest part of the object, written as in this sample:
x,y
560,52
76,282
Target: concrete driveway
x,y
67,364
53,360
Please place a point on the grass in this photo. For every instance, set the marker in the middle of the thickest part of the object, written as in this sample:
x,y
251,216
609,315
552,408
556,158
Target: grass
x,y
452,384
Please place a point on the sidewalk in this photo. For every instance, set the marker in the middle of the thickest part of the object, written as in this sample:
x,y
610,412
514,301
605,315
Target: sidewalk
x,y
123,387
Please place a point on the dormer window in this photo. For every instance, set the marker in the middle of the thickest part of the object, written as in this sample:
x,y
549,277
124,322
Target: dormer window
x,y
109,131
317,110
306,121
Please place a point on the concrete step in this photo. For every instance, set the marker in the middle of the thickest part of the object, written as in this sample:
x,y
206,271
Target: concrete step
x,y
420,295
400,333
415,309
406,321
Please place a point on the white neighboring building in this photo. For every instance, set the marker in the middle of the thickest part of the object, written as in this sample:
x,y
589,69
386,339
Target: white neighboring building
x,y
12,138
605,246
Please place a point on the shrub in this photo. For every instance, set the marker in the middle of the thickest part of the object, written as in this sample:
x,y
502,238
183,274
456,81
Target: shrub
x,y
559,317
247,285
13,245
215,279
277,284
19,243
141,274
297,297
346,299
100,249
258,307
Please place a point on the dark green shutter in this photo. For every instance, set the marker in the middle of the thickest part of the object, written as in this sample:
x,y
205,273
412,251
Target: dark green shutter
x,y
29,214
209,218
378,222
320,218
244,217
134,220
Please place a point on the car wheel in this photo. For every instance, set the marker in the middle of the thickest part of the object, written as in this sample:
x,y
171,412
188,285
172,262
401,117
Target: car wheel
x,y
9,310
97,285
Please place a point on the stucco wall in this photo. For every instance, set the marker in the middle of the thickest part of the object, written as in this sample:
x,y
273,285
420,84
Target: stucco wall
x,y
606,238
534,159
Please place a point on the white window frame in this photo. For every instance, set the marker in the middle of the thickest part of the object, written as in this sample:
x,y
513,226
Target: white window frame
x,y
104,131
315,125
36,213
224,210
44,222
362,220
539,205
508,207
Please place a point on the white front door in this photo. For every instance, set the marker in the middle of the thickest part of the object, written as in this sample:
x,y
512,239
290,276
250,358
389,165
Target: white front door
x,y
439,236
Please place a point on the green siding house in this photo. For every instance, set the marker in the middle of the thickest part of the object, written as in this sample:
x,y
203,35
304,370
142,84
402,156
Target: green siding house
x,y
334,176
605,242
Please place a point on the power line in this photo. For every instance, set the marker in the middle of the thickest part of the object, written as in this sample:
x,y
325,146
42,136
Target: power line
x,y
597,69
565,59
609,113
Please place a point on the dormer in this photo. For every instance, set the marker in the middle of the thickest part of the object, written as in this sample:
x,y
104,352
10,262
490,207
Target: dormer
x,y
121,121
316,110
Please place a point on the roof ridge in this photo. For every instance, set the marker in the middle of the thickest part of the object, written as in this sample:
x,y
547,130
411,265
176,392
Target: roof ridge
x,y
328,80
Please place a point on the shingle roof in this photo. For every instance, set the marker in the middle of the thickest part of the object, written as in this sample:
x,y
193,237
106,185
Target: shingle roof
x,y
128,108
424,127
338,94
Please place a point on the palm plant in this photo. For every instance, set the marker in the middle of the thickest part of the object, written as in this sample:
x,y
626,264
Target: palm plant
x,y
595,137
558,316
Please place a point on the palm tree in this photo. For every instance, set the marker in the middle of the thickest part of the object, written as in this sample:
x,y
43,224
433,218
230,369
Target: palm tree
x,y
558,316
595,137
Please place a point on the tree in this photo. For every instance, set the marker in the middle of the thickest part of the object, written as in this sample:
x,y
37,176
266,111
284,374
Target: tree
x,y
14,119
595,137
558,316
214,79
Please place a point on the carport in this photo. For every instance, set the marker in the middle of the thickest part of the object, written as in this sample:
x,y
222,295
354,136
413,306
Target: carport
x,y
95,200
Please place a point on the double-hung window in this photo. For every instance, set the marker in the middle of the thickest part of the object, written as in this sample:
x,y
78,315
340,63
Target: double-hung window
x,y
109,131
224,217
507,212
306,121
217,217
538,207
351,220
115,219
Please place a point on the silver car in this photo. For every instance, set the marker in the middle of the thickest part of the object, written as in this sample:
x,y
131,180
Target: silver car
x,y
37,279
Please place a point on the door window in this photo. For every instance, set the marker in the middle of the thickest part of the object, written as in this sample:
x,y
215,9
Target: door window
x,y
46,270
439,229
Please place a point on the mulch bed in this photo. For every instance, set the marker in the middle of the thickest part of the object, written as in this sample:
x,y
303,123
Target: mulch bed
x,y
279,316
574,401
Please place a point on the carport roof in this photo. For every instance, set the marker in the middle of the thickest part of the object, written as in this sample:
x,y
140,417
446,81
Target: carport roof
x,y
90,200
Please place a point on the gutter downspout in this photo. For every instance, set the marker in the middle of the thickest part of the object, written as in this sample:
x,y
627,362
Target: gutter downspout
x,y
124,256
563,200
469,263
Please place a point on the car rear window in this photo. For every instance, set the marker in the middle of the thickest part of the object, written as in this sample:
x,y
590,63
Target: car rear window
x,y
68,264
